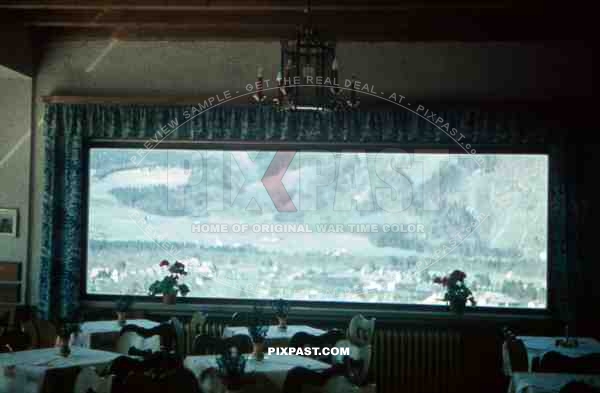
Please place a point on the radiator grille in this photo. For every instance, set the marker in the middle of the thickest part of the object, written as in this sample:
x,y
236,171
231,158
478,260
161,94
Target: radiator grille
x,y
407,360
211,328
417,360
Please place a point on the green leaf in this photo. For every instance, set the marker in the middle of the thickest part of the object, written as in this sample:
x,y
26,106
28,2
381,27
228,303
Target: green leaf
x,y
184,289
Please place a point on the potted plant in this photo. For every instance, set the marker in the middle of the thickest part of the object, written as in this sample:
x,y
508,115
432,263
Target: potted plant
x,y
65,328
282,310
457,294
231,366
258,329
169,286
122,305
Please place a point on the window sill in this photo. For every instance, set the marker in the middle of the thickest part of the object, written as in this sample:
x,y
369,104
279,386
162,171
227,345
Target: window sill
x,y
401,315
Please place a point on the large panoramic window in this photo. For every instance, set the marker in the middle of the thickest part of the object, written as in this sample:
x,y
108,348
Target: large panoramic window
x,y
345,226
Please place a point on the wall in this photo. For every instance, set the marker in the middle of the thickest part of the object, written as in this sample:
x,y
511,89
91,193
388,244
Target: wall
x,y
15,160
440,72
16,68
16,51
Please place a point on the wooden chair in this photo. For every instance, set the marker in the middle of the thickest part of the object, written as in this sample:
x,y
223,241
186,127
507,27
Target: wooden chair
x,y
122,366
179,336
325,340
302,380
517,355
239,319
257,383
170,337
208,345
555,362
7,319
129,340
42,333
180,380
197,323
14,340
88,381
211,382
579,387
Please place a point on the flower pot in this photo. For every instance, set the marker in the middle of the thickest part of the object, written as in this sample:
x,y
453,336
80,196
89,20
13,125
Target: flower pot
x,y
258,351
458,306
282,323
121,318
169,298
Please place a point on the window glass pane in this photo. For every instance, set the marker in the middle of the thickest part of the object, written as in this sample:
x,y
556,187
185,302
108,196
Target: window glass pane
x,y
348,226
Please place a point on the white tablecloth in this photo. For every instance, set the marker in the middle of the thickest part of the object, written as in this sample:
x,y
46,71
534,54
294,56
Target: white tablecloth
x,y
104,334
275,367
26,371
547,382
275,336
537,346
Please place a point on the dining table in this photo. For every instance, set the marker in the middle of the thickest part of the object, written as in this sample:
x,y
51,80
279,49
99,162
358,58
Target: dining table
x,y
104,335
274,367
45,370
548,382
537,346
276,337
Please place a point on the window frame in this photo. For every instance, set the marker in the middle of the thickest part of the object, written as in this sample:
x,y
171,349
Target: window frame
x,y
323,307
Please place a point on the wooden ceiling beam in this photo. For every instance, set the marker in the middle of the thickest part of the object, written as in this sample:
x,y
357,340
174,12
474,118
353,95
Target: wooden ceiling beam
x,y
349,20
255,6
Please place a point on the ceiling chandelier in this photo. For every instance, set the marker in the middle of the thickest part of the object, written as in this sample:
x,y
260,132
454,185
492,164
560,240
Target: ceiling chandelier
x,y
308,78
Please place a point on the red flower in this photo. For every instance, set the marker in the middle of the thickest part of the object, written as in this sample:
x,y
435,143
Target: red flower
x,y
437,280
164,262
441,280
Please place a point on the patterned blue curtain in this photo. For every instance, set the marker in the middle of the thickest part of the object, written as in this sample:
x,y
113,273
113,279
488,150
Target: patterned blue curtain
x,y
69,127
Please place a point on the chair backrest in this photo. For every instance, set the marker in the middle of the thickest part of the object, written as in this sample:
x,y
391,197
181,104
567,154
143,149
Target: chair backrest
x,y
180,380
129,339
179,336
579,387
517,354
239,319
88,381
257,383
167,333
242,342
42,333
301,379
153,363
328,339
7,319
209,345
210,381
14,340
197,323
555,362
206,345
361,330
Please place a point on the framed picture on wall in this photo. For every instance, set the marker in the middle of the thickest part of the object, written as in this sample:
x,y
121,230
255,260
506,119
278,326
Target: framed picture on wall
x,y
8,222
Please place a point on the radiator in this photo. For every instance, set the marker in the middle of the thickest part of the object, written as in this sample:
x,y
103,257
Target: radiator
x,y
405,360
416,360
211,328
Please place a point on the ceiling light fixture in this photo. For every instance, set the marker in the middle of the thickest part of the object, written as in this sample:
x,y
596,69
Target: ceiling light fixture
x,y
308,78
